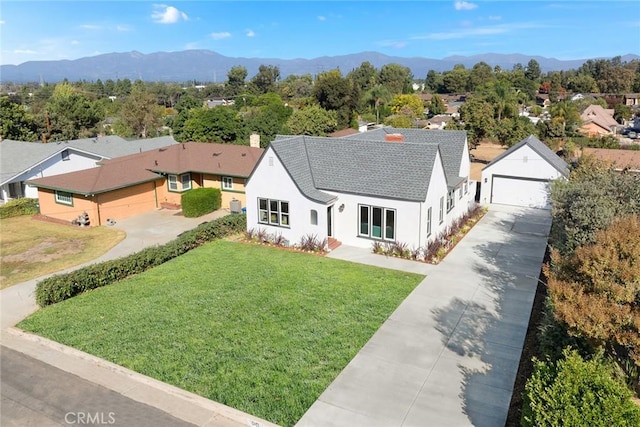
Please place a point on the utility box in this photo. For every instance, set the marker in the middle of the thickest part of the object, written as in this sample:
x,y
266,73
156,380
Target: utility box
x,y
235,206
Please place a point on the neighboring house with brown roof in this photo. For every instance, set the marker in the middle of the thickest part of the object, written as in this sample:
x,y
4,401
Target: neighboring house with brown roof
x,y
620,160
597,121
438,122
140,182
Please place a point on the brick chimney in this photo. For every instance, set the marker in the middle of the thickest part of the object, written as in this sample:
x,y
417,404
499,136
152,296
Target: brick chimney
x,y
394,137
254,140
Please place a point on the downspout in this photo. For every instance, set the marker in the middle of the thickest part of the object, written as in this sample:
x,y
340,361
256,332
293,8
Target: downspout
x,y
97,202
420,226
155,192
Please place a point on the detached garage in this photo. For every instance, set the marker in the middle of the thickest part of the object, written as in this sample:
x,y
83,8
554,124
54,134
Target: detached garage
x,y
521,175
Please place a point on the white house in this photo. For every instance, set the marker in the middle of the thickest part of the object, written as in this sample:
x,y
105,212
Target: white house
x,y
520,176
21,161
398,185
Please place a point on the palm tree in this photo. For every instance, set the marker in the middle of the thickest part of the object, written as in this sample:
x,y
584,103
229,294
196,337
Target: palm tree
x,y
378,95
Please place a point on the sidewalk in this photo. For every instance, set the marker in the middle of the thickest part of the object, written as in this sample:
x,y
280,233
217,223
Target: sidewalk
x,y
18,302
449,354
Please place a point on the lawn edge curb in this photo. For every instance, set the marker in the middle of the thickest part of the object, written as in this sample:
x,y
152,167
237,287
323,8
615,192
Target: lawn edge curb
x,y
192,408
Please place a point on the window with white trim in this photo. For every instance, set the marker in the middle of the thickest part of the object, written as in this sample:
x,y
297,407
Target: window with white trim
x,y
466,187
179,183
429,222
314,217
441,214
376,222
227,183
460,193
451,200
273,212
64,198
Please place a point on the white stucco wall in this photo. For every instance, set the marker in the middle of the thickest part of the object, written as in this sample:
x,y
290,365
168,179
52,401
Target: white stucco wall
x,y
524,163
273,182
55,166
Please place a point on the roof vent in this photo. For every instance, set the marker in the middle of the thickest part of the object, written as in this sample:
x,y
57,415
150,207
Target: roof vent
x,y
394,137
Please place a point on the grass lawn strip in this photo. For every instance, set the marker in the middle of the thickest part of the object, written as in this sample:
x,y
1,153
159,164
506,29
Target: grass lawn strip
x,y
32,248
257,328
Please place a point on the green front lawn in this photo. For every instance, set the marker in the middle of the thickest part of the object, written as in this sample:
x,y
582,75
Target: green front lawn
x,y
260,329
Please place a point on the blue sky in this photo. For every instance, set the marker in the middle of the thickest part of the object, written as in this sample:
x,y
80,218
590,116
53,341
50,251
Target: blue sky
x,y
52,30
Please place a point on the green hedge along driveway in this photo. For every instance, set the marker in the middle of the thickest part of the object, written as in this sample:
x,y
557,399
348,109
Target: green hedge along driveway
x,y
261,329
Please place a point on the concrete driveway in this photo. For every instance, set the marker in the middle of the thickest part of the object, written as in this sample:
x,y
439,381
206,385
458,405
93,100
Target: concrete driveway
x,y
448,356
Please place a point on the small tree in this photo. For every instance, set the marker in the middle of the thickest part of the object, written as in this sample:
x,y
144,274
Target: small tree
x,y
573,392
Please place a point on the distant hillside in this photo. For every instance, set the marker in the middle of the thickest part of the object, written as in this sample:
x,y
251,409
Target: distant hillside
x,y
208,66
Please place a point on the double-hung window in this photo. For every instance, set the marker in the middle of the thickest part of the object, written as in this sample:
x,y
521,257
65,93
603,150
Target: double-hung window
x,y
179,183
64,198
441,214
429,222
377,222
227,183
451,200
273,212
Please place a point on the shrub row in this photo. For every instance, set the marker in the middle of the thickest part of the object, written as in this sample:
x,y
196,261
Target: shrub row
x,y
200,201
435,249
308,242
63,286
19,207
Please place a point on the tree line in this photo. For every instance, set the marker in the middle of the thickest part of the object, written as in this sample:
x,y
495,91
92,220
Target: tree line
x,y
313,105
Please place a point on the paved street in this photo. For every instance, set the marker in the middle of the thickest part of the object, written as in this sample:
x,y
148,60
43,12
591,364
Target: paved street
x,y
37,394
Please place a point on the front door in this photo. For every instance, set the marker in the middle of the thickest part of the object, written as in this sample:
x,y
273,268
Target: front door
x,y
330,221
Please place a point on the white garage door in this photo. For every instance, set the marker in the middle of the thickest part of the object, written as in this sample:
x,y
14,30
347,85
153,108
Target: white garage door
x,y
510,190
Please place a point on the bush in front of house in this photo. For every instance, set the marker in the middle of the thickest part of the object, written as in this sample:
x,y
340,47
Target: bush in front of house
x,y
63,286
19,207
200,201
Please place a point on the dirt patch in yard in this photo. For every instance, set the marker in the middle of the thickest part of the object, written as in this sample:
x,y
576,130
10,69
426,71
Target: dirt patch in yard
x,y
482,155
47,250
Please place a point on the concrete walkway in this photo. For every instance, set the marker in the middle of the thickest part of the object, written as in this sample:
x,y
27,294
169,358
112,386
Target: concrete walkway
x,y
69,365
448,356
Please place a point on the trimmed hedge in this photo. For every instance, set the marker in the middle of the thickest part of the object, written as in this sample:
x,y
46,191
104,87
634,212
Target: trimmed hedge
x,y
200,201
19,207
64,286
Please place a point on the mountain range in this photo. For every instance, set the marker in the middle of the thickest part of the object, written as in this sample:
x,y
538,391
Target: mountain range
x,y
209,66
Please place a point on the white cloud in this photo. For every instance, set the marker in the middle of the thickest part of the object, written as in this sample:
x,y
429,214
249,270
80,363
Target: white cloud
x,y
322,18
90,27
221,35
250,33
464,5
123,28
475,32
392,43
25,52
495,18
75,42
1,22
164,14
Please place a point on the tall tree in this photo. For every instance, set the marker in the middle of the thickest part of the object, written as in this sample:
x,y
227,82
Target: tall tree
x,y
365,76
15,122
334,92
478,117
266,79
480,75
312,120
140,112
235,80
456,80
71,114
217,124
397,78
378,95
436,105
433,83
532,71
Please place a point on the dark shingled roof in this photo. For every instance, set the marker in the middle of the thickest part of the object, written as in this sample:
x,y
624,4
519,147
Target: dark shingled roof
x,y
217,159
451,143
367,164
543,151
